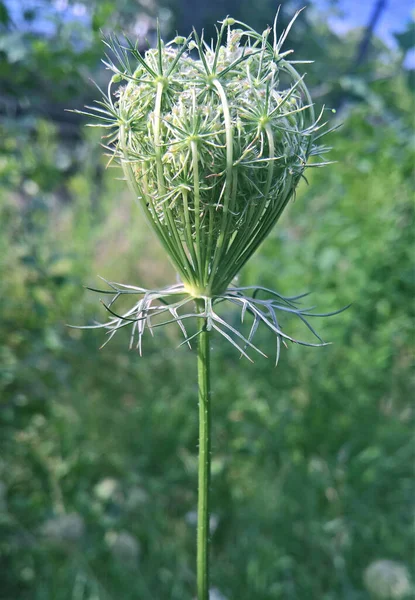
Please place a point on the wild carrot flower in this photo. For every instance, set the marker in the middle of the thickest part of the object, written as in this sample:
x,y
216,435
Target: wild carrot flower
x,y
213,148
213,140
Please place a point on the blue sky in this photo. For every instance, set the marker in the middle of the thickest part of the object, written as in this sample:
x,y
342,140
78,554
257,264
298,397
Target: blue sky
x,y
357,13
351,13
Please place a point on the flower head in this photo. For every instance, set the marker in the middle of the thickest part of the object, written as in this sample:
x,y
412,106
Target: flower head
x,y
212,145
213,140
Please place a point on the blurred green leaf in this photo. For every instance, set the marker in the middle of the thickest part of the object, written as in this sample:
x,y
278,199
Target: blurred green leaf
x,y
406,39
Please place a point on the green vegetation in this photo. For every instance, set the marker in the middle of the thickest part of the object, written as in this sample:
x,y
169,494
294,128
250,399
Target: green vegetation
x,y
312,461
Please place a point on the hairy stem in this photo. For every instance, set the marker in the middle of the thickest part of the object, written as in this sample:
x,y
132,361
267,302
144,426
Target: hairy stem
x,y
203,367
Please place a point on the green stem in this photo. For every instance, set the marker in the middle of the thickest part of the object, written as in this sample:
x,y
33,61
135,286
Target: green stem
x,y
203,368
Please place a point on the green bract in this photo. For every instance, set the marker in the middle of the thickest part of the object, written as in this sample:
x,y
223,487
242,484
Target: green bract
x,y
213,145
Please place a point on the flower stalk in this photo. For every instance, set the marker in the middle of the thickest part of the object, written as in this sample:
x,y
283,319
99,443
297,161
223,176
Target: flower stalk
x,y
205,421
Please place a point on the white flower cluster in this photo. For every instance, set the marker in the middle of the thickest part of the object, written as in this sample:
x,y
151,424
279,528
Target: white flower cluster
x,y
213,140
388,580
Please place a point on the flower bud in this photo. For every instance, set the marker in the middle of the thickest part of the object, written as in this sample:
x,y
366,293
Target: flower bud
x,y
213,148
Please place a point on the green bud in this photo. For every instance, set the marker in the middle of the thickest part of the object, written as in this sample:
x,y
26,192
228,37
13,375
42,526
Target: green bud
x,y
215,163
213,148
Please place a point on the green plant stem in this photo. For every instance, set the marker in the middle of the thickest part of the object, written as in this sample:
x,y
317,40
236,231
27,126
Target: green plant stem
x,y
203,368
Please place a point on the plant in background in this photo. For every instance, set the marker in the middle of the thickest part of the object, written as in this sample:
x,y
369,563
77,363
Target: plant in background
x,y
213,140
387,580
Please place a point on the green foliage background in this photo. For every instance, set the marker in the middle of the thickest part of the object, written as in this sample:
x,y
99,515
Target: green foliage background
x,y
312,461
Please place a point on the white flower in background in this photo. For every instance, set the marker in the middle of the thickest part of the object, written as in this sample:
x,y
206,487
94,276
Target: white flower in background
x,y
64,530
107,489
137,496
215,594
124,547
387,580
